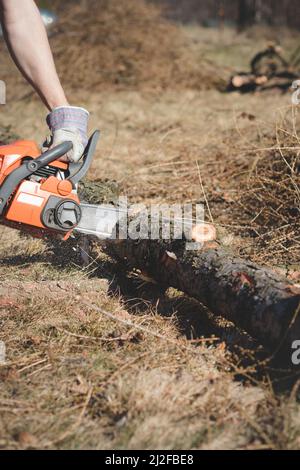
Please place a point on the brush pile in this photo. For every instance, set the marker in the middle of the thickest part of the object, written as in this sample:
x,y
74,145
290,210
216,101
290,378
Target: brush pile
x,y
125,43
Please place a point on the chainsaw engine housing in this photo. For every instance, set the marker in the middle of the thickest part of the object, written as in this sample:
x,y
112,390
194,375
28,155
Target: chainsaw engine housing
x,y
38,192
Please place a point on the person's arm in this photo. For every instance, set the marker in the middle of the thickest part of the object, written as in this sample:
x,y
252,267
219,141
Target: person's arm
x,y
27,40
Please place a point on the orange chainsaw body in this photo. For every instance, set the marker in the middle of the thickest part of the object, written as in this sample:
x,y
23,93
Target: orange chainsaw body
x,y
29,200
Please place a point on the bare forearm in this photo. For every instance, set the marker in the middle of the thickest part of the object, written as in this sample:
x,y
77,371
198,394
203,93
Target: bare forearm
x,y
27,40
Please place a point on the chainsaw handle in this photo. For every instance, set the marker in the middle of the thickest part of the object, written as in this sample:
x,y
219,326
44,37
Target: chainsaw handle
x,y
80,169
50,156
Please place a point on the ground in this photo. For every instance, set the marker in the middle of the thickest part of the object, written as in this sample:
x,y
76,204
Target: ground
x,y
96,361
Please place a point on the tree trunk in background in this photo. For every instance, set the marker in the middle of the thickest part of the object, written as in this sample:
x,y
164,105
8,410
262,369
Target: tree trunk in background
x,y
258,11
246,13
242,12
221,14
242,15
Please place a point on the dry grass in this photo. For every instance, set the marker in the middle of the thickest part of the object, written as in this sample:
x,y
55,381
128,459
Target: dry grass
x,y
77,379
270,200
154,376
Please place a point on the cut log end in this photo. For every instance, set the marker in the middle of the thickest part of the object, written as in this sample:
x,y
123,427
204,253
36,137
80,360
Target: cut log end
x,y
261,80
202,233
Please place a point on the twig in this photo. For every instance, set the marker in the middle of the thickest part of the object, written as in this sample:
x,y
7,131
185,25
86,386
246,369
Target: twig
x,y
204,194
33,365
48,366
94,338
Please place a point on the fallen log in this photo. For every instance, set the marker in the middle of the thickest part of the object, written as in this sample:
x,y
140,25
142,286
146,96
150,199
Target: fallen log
x,y
243,80
259,300
255,298
248,82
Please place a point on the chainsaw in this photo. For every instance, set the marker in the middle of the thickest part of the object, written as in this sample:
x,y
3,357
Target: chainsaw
x,y
38,192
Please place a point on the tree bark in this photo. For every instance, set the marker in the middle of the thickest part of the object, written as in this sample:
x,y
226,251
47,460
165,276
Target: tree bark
x,y
246,14
255,298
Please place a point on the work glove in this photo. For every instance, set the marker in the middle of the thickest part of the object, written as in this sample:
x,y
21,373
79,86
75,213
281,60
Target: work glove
x,y
69,123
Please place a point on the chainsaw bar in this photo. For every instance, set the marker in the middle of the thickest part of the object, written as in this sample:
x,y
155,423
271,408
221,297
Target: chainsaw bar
x,y
99,220
102,221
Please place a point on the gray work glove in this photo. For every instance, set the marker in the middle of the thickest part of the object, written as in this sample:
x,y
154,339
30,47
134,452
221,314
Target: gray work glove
x,y
69,123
